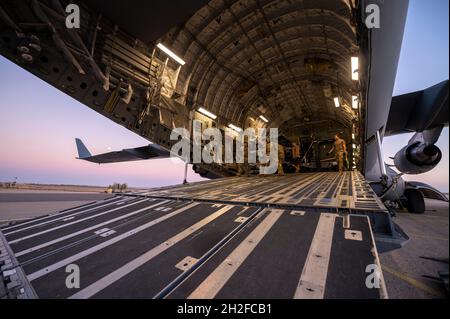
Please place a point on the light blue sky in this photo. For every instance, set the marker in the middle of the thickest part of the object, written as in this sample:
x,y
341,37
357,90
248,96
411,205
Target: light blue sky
x,y
38,124
424,62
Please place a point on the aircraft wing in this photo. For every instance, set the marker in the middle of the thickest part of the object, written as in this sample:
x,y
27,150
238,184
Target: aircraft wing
x,y
418,111
127,155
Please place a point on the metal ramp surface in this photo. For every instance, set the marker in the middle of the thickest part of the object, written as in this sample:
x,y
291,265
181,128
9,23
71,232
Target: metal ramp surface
x,y
322,190
148,246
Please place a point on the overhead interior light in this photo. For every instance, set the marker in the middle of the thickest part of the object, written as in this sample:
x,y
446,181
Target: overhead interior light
x,y
353,136
264,119
354,146
355,102
337,103
355,68
171,54
207,113
234,127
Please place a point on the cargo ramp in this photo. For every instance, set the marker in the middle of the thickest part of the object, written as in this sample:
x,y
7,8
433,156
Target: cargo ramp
x,y
296,236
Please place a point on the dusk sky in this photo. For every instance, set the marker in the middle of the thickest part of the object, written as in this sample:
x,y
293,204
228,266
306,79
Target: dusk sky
x,y
38,123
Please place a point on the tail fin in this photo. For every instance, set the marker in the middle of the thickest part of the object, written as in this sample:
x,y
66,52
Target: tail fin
x,y
82,150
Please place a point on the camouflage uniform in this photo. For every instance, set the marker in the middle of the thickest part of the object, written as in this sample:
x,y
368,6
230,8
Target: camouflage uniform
x,y
339,147
296,156
281,157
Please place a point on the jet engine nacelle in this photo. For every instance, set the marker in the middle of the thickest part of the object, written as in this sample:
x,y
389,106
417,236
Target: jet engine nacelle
x,y
418,158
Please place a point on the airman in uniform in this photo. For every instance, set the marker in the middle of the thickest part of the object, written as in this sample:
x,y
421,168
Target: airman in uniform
x,y
340,149
281,157
296,156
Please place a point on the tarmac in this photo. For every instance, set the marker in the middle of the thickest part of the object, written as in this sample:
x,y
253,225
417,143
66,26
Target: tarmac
x,y
412,272
21,205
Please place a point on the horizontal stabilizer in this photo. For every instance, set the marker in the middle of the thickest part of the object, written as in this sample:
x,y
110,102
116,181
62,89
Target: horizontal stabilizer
x,y
151,151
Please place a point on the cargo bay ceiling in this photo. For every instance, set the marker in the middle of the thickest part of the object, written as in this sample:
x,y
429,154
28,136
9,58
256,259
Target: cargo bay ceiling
x,y
285,60
282,60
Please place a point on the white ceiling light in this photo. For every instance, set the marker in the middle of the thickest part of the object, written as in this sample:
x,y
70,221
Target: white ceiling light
x,y
234,127
353,136
207,113
337,103
355,68
355,102
264,119
171,54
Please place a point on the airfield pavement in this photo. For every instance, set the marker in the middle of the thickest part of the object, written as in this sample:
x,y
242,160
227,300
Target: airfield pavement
x,y
17,205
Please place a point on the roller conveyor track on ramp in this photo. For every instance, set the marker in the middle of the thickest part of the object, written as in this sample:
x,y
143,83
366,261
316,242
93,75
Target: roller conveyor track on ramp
x,y
348,190
144,247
